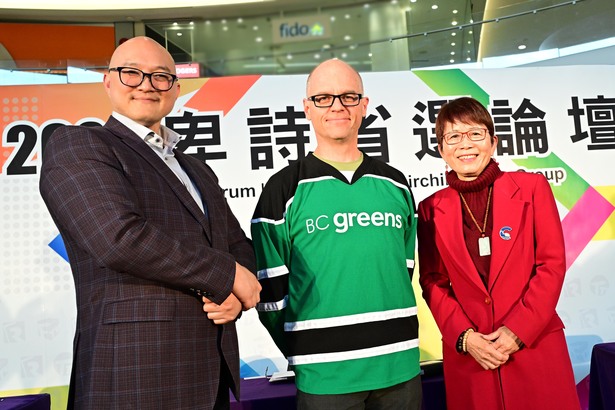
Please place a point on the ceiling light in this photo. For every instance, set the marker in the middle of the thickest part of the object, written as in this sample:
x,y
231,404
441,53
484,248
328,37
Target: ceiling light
x,y
366,6
454,11
124,5
179,34
454,23
434,7
259,39
332,18
254,28
412,1
223,21
522,47
289,56
344,55
317,56
192,23
346,16
452,53
468,59
453,34
225,28
175,23
347,38
208,22
239,20
451,61
453,44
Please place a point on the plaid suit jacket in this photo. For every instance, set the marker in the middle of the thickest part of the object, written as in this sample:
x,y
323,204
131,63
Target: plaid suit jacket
x,y
138,246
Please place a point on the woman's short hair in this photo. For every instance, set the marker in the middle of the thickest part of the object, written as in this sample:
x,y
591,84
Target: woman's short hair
x,y
466,110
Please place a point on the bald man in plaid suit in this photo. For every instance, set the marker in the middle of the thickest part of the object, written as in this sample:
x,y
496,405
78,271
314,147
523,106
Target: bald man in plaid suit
x,y
162,268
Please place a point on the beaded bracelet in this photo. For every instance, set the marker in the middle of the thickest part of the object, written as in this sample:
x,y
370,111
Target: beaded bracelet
x,y
465,340
462,340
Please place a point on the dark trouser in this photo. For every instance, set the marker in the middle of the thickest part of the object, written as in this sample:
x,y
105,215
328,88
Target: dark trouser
x,y
223,401
403,396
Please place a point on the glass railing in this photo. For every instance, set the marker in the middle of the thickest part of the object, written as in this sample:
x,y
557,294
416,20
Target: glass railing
x,y
377,36
51,72
387,35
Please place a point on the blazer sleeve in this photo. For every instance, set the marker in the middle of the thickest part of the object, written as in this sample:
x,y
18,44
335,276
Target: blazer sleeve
x,y
434,280
97,209
536,308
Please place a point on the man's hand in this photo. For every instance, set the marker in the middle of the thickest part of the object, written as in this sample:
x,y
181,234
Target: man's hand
x,y
224,313
246,287
484,352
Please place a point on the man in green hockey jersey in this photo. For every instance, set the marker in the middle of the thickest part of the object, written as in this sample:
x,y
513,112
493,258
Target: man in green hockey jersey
x,y
334,235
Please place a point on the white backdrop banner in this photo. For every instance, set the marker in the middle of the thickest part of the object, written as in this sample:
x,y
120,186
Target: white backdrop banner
x,y
556,121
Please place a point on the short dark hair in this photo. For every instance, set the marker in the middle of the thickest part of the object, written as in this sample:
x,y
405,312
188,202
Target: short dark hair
x,y
466,110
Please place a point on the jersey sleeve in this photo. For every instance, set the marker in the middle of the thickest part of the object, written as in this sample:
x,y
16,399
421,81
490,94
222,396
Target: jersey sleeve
x,y
271,242
410,234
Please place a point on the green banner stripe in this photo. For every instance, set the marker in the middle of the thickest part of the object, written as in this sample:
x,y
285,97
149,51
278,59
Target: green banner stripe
x,y
452,83
571,190
455,82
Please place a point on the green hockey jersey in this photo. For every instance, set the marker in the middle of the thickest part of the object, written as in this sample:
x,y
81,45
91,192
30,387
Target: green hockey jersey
x,y
335,262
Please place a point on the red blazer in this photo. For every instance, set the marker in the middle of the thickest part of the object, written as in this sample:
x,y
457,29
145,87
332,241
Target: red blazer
x,y
525,280
137,243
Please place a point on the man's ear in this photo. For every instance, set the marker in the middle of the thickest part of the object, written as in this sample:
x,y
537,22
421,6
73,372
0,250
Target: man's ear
x,y
306,108
364,103
107,83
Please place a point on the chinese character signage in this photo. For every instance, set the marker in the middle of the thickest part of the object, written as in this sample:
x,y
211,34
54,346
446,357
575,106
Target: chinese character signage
x,y
559,122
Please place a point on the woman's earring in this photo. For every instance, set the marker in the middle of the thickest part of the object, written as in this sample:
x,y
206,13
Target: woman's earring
x,y
445,167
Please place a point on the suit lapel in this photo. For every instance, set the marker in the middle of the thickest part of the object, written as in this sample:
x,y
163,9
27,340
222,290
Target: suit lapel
x,y
140,147
200,182
507,213
448,219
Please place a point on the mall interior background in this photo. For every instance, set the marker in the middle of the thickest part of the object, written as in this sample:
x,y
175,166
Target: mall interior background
x,y
291,37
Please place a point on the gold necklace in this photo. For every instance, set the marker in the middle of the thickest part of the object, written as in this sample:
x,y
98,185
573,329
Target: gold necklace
x,y
484,247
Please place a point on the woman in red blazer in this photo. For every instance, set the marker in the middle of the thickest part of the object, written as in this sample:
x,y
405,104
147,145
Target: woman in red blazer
x,y
492,264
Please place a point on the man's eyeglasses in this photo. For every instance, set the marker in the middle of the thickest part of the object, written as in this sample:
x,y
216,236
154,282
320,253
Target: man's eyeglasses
x,y
474,134
133,77
327,100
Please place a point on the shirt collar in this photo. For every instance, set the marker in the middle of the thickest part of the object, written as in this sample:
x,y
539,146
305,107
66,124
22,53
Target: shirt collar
x,y
164,143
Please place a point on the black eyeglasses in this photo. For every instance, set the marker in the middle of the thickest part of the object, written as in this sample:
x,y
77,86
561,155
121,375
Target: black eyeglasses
x,y
327,100
474,134
133,77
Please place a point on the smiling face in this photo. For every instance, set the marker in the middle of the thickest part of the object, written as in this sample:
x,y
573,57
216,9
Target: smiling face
x,y
467,158
143,103
335,124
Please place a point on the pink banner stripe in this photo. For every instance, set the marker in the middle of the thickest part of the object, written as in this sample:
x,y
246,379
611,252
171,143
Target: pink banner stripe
x,y
583,221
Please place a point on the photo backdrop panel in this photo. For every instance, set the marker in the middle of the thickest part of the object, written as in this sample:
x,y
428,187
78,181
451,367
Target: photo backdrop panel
x,y
556,121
